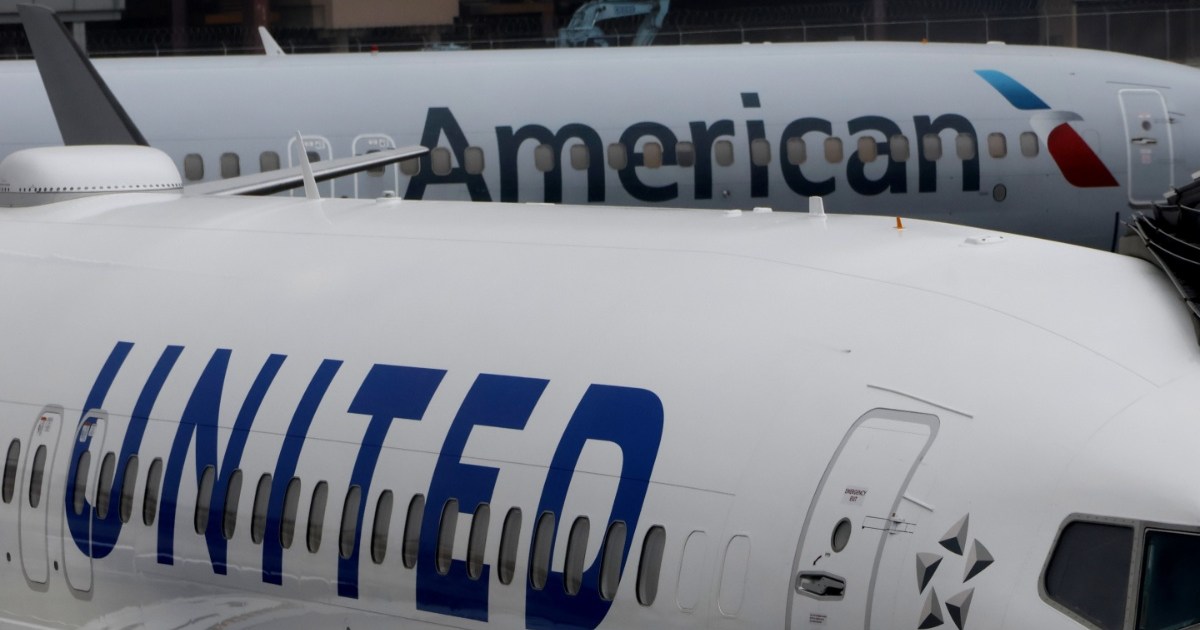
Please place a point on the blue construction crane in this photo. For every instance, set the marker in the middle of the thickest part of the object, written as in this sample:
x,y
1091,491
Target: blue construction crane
x,y
583,29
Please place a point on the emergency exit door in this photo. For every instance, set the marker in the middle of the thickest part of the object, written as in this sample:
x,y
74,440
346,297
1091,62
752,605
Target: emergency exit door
x,y
34,494
852,517
87,449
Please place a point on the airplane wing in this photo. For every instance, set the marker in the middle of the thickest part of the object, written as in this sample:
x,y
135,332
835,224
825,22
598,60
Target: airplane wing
x,y
272,182
86,111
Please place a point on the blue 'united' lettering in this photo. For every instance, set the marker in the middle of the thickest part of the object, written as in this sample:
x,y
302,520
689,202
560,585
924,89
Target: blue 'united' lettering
x,y
631,419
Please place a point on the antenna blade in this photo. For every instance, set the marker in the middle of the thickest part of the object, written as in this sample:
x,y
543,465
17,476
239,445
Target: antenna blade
x,y
86,111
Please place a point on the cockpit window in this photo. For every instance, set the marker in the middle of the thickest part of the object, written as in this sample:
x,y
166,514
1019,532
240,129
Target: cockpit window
x,y
1170,581
1089,572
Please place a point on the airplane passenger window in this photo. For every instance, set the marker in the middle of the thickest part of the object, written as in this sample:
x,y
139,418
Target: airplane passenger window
x,y
760,152
723,150
478,540
543,158
539,560
258,517
997,145
445,540
287,523
576,548
268,161
1170,594
473,160
1088,573
1029,144
150,498
313,156
581,157
412,531
108,468
833,150
128,482
231,165
685,154
652,155
797,151
379,529
233,497
510,534
898,145
316,516
440,161
868,149
10,470
964,146
650,565
932,144
35,477
618,156
411,166
610,565
204,498
79,489
193,167
349,521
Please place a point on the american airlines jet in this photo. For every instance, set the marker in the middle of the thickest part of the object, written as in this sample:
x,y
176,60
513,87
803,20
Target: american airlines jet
x,y
226,412
1045,141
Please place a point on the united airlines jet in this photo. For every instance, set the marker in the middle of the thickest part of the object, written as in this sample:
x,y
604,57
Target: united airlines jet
x,y
1046,141
232,412
225,412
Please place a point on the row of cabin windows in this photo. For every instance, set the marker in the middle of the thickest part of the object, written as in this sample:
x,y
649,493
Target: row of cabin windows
x,y
796,151
231,164
649,567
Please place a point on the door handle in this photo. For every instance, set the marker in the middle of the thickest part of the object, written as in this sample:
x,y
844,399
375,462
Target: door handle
x,y
1144,140
823,585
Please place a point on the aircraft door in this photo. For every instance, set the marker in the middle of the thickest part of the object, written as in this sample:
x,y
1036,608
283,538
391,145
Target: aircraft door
x,y
87,450
1148,144
371,183
852,518
34,494
319,150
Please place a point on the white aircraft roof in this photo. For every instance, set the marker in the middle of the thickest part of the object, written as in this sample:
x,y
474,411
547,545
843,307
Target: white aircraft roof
x,y
1120,308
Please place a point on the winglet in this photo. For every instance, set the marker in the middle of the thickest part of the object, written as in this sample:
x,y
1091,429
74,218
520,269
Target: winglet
x,y
86,111
270,46
310,182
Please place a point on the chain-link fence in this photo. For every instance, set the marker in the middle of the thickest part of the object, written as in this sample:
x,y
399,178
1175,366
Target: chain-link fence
x,y
1123,26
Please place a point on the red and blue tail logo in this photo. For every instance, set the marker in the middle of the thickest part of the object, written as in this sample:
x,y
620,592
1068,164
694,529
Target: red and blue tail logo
x,y
1078,162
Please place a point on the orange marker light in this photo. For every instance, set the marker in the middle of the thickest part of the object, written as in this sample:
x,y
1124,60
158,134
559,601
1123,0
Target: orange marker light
x,y
899,224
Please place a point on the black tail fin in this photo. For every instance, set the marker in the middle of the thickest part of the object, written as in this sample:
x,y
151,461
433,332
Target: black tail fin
x,y
86,111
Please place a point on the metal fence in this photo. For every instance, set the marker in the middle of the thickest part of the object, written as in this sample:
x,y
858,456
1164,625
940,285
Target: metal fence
x,y
1162,33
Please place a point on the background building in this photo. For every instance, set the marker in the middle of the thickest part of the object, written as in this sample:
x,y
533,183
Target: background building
x,y
155,27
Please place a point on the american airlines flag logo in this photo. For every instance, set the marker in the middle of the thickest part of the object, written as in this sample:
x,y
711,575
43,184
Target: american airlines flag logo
x,y
1078,162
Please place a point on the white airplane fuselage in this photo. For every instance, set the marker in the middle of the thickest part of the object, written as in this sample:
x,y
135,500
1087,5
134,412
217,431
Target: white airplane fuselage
x,y
738,384
1044,141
